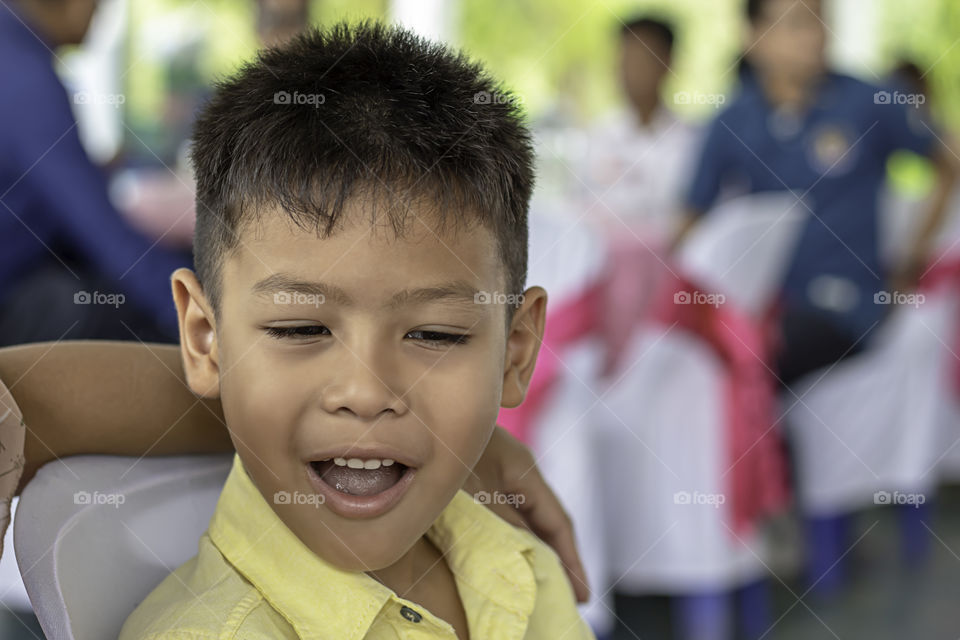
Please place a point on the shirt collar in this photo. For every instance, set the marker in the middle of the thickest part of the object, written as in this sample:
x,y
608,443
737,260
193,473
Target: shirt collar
x,y
489,558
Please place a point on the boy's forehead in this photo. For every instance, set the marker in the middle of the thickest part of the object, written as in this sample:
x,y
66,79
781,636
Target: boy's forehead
x,y
386,223
361,247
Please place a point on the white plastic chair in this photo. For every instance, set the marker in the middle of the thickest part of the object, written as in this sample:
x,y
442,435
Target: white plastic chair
x,y
661,426
874,423
13,595
901,217
95,534
661,423
743,247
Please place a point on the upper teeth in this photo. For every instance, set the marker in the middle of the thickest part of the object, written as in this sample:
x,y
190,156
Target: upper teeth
x,y
357,463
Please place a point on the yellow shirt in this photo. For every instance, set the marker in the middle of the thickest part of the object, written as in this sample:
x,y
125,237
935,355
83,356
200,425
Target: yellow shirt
x,y
253,579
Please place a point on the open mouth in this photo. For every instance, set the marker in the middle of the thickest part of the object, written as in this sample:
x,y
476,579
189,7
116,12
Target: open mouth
x,y
360,477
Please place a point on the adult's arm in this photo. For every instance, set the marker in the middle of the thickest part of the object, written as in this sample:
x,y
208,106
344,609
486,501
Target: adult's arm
x,y
100,397
688,221
911,126
709,168
947,167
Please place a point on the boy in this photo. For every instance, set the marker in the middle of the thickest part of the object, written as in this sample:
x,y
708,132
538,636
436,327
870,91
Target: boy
x,y
362,198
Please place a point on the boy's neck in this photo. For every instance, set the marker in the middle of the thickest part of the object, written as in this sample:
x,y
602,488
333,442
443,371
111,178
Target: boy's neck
x,y
404,574
423,576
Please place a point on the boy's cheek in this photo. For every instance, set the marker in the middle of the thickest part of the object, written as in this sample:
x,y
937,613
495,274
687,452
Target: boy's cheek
x,y
462,441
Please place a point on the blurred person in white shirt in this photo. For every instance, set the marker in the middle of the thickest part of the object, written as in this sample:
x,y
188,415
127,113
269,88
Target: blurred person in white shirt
x,y
639,158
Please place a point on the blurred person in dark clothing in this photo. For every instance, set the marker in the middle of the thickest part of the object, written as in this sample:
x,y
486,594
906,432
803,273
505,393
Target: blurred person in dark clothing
x,y
797,125
70,266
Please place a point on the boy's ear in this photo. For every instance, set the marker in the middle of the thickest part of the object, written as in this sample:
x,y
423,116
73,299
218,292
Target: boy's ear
x,y
523,343
198,337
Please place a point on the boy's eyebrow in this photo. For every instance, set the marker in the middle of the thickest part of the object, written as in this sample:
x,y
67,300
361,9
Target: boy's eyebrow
x,y
455,291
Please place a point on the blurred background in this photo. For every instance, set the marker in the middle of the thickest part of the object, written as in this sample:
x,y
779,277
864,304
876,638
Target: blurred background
x,y
748,210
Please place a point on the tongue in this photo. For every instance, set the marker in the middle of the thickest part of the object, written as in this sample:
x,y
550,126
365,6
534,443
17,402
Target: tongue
x,y
359,482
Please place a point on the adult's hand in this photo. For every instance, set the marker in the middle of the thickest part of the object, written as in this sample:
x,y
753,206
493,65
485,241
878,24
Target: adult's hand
x,y
507,466
11,455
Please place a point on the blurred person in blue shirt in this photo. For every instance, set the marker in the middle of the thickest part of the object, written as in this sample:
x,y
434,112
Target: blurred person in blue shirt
x,y
796,125
70,265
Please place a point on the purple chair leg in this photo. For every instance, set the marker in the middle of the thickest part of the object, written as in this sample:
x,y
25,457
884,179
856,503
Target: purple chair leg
x,y
915,538
826,541
755,608
703,616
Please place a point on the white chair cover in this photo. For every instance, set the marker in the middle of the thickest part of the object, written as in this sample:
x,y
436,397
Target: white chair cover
x,y
95,534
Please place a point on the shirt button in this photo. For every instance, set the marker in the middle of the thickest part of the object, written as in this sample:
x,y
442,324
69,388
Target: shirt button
x,y
410,614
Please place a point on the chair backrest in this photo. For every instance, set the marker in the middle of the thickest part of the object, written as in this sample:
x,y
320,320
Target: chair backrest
x,y
95,534
743,247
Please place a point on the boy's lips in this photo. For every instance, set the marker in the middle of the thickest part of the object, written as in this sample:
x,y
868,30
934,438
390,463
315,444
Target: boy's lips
x,y
360,493
361,481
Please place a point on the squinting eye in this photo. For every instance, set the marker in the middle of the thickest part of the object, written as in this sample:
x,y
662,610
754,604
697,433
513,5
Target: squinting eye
x,y
438,337
306,331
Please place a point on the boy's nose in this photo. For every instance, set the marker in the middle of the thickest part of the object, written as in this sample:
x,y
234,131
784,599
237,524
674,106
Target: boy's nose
x,y
363,387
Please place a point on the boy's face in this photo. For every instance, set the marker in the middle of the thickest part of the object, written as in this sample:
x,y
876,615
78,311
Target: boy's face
x,y
362,366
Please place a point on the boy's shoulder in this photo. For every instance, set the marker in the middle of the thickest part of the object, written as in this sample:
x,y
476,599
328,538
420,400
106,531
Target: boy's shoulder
x,y
512,581
206,598
533,584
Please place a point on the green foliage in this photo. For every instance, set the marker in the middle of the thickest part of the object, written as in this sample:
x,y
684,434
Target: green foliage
x,y
542,48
